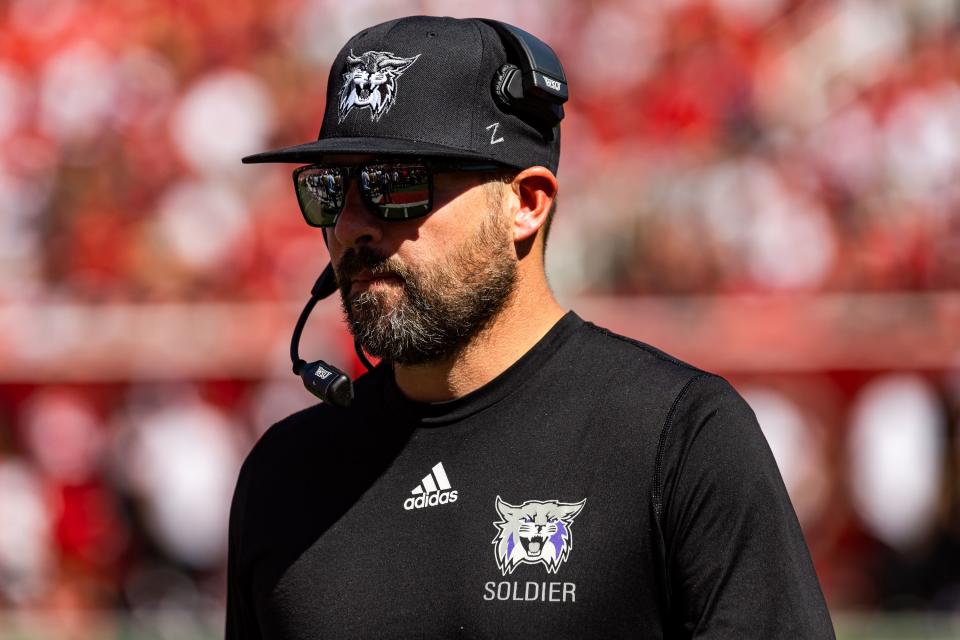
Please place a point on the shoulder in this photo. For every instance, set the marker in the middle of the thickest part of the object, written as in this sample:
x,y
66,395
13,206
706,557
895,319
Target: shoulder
x,y
635,367
708,407
695,411
630,352
606,339
711,444
691,386
314,431
694,396
290,432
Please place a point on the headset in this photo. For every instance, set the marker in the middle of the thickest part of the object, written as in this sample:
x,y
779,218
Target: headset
x,y
537,89
534,90
322,379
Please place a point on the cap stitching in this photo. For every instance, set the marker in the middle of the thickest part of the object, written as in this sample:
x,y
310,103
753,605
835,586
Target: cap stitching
x,y
422,140
293,148
406,139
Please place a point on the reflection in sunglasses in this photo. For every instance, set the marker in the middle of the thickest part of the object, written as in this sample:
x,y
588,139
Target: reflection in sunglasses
x,y
391,191
406,198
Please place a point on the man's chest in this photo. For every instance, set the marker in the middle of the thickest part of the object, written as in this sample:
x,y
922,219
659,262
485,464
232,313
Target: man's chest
x,y
471,537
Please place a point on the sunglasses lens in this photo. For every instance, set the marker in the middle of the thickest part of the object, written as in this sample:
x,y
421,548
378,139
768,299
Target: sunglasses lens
x,y
398,191
393,191
320,191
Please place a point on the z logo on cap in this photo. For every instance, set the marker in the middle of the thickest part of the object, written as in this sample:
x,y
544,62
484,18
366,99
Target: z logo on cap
x,y
371,82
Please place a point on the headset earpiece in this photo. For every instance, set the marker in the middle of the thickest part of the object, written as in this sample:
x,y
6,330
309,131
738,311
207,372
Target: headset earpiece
x,y
535,88
508,85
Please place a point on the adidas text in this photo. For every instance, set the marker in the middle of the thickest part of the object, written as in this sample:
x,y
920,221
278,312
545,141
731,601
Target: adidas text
x,y
430,500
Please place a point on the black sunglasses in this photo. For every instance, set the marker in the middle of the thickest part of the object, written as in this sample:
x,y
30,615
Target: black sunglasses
x,y
391,190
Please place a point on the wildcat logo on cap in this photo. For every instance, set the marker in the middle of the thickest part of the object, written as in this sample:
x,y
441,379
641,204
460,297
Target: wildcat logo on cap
x,y
371,82
534,532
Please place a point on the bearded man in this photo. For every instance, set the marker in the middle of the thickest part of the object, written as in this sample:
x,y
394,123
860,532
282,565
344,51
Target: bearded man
x,y
508,470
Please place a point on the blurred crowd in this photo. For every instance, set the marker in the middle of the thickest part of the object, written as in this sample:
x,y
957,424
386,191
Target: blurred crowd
x,y
710,147
732,145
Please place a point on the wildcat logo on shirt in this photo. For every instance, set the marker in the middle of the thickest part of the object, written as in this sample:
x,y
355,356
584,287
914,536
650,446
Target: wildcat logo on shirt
x,y
534,532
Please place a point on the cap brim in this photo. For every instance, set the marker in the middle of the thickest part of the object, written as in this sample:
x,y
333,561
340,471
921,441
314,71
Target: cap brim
x,y
314,151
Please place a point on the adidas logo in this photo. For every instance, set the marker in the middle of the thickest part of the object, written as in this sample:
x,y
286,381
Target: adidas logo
x,y
434,489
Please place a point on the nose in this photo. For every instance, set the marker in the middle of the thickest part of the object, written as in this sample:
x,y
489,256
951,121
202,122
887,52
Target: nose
x,y
356,225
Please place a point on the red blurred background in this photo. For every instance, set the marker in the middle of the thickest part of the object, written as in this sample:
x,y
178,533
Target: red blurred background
x,y
769,189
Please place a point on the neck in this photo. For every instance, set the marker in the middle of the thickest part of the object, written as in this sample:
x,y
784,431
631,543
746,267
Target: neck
x,y
513,332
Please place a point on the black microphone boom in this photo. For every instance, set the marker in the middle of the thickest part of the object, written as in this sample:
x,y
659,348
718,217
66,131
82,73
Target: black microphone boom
x,y
321,379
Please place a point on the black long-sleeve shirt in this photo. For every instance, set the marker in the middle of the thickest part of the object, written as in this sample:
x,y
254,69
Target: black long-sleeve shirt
x,y
597,488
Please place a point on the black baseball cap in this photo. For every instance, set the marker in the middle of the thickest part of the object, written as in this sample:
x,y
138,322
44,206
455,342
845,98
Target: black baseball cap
x,y
426,86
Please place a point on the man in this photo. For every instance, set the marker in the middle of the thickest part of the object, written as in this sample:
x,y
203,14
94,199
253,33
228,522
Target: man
x,y
508,470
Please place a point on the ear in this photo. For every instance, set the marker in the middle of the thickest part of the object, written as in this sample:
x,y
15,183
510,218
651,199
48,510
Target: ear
x,y
570,511
507,511
399,65
534,189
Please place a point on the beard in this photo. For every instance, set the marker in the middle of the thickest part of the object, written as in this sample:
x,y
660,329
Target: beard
x,y
439,307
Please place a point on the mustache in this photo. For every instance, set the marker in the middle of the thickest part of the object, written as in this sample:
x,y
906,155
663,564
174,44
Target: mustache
x,y
366,259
